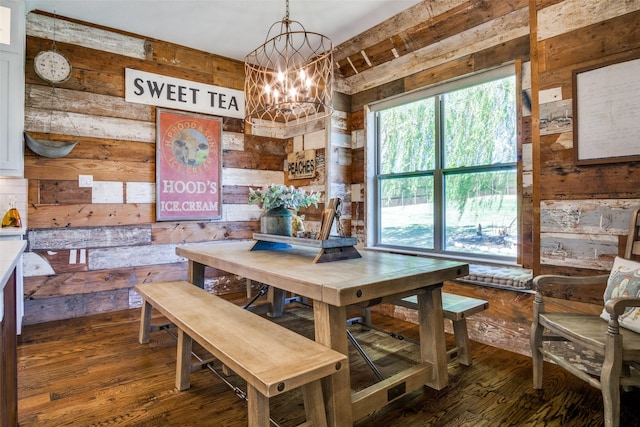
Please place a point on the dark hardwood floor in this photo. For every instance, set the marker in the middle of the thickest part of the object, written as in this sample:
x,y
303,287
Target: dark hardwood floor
x,y
92,372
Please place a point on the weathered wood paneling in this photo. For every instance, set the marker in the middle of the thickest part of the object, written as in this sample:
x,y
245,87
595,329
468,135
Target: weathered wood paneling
x,y
48,216
83,238
77,305
132,256
573,218
102,170
483,36
447,23
569,34
568,15
68,123
91,148
87,282
47,27
602,216
593,42
58,192
395,25
578,250
89,245
252,160
584,210
57,262
189,232
73,101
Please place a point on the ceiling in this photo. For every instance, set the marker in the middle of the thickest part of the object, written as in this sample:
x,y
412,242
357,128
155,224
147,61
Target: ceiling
x,y
231,28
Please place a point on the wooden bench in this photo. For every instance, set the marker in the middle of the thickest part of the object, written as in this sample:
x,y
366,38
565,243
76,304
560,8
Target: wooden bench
x,y
271,358
455,308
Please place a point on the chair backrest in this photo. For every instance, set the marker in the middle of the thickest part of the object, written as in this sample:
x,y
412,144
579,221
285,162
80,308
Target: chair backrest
x,y
632,250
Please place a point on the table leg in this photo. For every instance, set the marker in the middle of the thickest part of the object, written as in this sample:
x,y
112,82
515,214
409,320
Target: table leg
x,y
432,340
276,297
249,292
195,273
330,330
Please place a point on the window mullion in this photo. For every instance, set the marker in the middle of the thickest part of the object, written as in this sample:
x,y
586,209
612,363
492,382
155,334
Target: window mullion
x,y
438,180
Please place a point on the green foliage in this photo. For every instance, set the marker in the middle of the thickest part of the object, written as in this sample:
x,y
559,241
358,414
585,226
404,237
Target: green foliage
x,y
408,137
480,125
478,131
273,196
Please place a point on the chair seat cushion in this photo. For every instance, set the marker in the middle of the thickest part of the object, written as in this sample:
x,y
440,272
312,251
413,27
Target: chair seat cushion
x,y
624,281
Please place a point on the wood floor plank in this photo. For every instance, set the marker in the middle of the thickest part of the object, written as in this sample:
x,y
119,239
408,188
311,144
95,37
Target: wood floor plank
x,y
91,371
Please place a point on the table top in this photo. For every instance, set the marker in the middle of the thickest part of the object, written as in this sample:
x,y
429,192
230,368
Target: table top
x,y
338,283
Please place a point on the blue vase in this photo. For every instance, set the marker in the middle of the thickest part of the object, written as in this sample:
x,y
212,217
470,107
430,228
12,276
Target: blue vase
x,y
276,221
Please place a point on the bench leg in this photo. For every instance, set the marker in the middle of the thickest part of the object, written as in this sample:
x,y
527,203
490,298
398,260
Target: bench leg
x,y
183,362
314,404
258,408
462,341
145,323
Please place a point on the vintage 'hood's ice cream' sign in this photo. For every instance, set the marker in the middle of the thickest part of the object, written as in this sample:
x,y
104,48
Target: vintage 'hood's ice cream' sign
x,y
187,166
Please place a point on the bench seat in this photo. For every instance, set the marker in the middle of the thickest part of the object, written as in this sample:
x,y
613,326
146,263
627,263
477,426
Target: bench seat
x,y
269,357
455,308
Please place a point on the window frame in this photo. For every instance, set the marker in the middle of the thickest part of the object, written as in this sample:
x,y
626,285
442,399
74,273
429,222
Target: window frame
x,y
374,187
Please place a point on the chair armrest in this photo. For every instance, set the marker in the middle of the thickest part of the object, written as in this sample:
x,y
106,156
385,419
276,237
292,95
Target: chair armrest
x,y
617,306
539,282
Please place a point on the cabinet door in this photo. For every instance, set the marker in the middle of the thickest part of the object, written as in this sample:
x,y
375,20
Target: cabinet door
x,y
12,60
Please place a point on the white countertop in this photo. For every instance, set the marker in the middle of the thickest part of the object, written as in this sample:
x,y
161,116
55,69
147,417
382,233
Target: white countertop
x,y
12,231
10,251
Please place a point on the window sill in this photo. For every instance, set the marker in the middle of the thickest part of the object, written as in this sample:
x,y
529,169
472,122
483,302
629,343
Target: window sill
x,y
516,278
503,275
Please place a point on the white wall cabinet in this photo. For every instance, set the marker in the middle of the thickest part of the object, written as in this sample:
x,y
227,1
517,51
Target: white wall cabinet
x,y
12,59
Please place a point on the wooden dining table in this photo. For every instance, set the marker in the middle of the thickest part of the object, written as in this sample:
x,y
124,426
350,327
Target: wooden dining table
x,y
375,277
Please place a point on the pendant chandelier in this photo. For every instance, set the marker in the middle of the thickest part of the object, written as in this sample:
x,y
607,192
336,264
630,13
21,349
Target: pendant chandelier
x,y
289,79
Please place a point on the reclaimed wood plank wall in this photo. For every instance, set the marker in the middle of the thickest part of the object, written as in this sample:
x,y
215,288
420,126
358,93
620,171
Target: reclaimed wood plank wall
x,y
574,219
431,43
88,246
584,210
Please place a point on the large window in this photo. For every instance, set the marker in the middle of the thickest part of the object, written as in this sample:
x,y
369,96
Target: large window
x,y
446,171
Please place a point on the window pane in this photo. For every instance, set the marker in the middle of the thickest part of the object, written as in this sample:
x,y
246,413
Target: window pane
x,y
480,124
481,213
407,137
5,25
406,214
